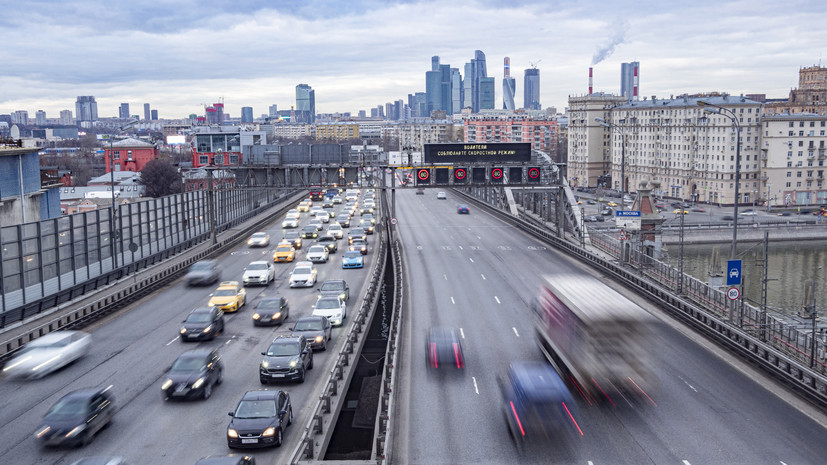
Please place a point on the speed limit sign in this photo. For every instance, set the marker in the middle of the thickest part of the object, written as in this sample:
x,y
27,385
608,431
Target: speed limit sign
x,y
733,293
393,221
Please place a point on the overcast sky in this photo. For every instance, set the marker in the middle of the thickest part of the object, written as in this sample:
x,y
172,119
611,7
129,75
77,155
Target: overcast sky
x,y
178,55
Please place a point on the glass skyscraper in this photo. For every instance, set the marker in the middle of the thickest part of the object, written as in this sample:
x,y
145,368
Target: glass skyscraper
x,y
509,85
246,114
531,89
305,104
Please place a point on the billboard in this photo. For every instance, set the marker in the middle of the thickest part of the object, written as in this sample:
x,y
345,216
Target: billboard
x,y
477,153
171,140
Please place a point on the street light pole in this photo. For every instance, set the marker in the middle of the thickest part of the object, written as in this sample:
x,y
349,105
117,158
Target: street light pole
x,y
731,115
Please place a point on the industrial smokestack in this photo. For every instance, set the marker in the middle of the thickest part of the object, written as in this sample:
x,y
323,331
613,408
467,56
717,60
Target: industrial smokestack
x,y
507,67
591,84
635,83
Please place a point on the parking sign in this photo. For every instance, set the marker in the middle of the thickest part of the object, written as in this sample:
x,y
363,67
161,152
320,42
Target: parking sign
x,y
733,273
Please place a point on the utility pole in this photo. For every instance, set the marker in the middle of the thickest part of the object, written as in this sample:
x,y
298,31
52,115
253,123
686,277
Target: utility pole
x,y
680,259
763,323
211,206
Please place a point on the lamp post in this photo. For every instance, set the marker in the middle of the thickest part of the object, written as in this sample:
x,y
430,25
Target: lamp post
x,y
617,128
731,115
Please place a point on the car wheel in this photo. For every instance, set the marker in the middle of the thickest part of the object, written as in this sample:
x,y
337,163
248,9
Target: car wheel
x,y
87,439
310,365
301,378
324,345
207,391
290,416
278,439
220,378
262,380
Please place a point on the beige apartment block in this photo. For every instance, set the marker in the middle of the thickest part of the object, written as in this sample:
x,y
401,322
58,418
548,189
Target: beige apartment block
x,y
794,150
809,97
337,131
292,130
417,134
589,142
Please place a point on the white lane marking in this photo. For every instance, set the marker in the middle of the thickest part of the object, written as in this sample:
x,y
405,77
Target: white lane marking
x,y
462,333
515,331
445,276
229,341
452,300
687,383
472,260
483,276
170,342
478,237
590,462
497,299
686,462
460,247
475,385
782,463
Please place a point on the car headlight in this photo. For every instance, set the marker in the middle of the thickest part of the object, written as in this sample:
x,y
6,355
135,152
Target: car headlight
x,y
269,432
183,331
250,242
167,384
265,364
197,384
277,315
256,316
319,338
75,431
342,296
207,329
43,431
232,433
293,363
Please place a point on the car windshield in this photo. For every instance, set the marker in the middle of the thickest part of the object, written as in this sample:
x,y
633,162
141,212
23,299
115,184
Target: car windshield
x,y
67,408
256,266
224,292
352,254
359,242
256,409
317,249
333,286
281,349
188,364
200,266
302,271
334,227
308,325
283,249
356,231
327,304
269,303
198,317
292,235
259,236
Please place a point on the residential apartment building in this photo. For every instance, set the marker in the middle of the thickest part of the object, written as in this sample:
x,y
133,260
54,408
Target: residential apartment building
x,y
589,143
793,154
541,133
337,131
809,97
129,155
292,130
417,134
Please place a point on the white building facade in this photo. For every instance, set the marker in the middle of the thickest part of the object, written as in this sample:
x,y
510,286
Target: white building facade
x,y
794,151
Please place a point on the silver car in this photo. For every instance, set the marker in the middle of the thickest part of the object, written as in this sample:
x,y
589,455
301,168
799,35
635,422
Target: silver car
x,y
47,354
203,273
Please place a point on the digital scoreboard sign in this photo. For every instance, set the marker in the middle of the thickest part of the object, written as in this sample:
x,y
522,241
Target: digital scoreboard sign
x,y
477,153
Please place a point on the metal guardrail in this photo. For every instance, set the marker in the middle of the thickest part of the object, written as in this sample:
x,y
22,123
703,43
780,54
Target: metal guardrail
x,y
782,352
325,412
117,299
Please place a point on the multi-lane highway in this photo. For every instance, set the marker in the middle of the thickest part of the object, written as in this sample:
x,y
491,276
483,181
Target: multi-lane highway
x,y
133,350
479,275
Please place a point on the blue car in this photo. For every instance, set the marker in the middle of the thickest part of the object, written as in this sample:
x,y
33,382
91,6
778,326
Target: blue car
x,y
353,259
462,209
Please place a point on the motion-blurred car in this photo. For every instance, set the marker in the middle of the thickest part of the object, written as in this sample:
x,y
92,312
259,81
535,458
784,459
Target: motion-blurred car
x,y
303,275
441,195
335,231
292,213
315,210
335,288
203,273
271,311
366,209
332,307
611,204
748,213
231,459
536,402
463,209
316,329
47,354
203,323
259,272
316,223
358,245
366,225
101,460
260,419
784,214
356,233
294,238
284,253
420,191
698,210
310,232
193,374
329,241
679,210
353,259
303,207
327,202
259,239
290,223
444,348
229,296
288,358
318,254
77,417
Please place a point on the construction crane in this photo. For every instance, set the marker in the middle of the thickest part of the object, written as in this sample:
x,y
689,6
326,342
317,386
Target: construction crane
x,y
534,63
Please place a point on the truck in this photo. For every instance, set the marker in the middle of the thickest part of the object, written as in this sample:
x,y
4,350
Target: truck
x,y
596,339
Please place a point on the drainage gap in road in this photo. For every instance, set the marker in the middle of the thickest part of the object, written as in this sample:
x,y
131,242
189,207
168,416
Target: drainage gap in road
x,y
353,434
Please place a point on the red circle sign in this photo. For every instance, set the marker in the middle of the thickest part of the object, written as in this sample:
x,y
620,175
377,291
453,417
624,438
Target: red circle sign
x,y
460,173
733,293
533,173
423,174
497,173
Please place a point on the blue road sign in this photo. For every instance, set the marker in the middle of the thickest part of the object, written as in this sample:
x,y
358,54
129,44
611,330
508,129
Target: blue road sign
x,y
733,273
627,213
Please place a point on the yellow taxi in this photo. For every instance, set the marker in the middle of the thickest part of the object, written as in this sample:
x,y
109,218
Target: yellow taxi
x,y
284,253
304,206
229,297
612,204
678,211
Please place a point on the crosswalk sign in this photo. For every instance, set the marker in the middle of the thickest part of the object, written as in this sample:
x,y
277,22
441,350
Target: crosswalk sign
x,y
622,236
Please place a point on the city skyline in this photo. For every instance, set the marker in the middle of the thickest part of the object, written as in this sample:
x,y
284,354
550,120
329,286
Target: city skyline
x,y
736,47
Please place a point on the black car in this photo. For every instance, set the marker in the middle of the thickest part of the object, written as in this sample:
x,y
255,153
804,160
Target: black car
x,y
260,419
343,220
203,273
444,349
288,358
310,232
193,375
330,242
358,245
227,460
77,417
366,225
294,238
335,287
356,233
316,329
271,311
203,323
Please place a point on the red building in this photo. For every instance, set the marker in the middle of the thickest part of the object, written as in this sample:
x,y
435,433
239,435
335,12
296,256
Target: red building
x,y
130,155
216,149
542,133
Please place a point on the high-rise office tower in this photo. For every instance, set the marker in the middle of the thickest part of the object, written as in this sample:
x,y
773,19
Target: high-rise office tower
x,y
389,111
474,71
420,105
487,93
123,110
531,89
40,118
433,91
435,63
456,91
66,117
468,86
509,85
629,78
147,112
305,104
20,117
273,110
154,115
439,84
399,109
246,114
219,112
86,109
445,83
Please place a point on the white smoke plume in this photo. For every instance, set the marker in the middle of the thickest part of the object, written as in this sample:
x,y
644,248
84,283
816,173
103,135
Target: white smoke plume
x,y
617,37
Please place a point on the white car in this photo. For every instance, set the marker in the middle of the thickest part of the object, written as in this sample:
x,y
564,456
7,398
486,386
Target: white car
x,y
441,195
332,307
293,213
303,275
315,210
318,254
260,272
290,223
47,354
336,230
259,239
323,216
337,199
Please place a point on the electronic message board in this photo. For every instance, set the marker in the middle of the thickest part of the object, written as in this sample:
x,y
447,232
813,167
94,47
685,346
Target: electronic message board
x,y
478,153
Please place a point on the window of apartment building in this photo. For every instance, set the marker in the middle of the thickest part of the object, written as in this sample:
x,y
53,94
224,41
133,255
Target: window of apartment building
x,y
800,133
789,164
116,154
798,163
789,184
798,174
792,125
203,159
821,133
791,134
801,124
801,143
812,133
798,184
810,173
800,153
812,124
809,163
